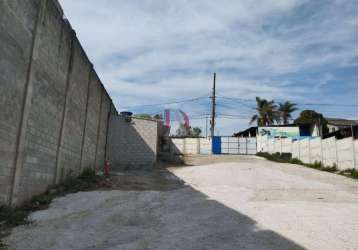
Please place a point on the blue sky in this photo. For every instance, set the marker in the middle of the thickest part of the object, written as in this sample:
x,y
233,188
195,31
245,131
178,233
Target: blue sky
x,y
149,52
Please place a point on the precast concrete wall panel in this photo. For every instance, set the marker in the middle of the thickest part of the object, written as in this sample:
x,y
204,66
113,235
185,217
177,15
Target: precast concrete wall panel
x,y
191,146
296,149
102,136
177,146
70,153
355,154
48,85
329,149
316,150
93,118
44,79
17,29
345,153
205,146
286,145
305,150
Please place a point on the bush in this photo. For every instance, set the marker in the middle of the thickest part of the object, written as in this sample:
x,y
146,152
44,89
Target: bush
x,y
13,216
287,158
88,175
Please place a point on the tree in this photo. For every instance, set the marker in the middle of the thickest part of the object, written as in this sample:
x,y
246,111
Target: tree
x,y
158,116
285,109
196,132
148,116
183,131
144,116
311,117
267,112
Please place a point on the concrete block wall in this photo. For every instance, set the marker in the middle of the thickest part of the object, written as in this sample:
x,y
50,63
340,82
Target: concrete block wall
x,y
342,153
132,145
54,109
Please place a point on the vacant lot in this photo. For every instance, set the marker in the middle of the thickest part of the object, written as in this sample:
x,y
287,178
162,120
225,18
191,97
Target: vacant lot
x,y
225,203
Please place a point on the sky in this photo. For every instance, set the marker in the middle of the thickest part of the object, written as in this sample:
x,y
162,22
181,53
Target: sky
x,y
152,52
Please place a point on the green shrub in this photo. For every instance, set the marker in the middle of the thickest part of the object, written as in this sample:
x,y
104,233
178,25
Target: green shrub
x,y
88,175
295,161
287,158
13,216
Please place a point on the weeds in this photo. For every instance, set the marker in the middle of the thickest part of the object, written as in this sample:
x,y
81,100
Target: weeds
x,y
287,158
11,217
352,173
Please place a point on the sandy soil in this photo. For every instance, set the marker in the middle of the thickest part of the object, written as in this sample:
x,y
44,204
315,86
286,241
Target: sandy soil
x,y
226,203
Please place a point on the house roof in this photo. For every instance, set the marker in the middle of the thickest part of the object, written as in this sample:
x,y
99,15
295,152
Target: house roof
x,y
341,122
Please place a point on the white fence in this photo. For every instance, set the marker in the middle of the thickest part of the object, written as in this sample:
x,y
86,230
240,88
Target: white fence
x,y
342,153
191,146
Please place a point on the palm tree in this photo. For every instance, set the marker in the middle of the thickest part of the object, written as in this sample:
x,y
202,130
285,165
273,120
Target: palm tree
x,y
285,109
267,112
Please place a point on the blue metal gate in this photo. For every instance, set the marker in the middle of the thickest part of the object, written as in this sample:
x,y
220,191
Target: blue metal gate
x,y
234,145
216,145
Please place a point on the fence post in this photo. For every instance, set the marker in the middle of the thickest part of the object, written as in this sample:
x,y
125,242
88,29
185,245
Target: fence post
x,y
309,150
322,158
354,153
198,146
337,160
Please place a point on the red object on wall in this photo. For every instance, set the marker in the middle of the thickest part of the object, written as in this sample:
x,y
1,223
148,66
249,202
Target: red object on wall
x,y
106,168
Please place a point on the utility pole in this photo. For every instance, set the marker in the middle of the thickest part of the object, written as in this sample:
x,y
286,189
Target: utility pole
x,y
206,126
213,104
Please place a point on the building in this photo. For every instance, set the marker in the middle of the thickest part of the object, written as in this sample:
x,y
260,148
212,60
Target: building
x,y
335,124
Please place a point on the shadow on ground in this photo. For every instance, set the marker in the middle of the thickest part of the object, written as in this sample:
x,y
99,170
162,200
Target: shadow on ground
x,y
144,210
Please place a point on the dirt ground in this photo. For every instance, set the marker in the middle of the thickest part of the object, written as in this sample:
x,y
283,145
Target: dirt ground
x,y
219,202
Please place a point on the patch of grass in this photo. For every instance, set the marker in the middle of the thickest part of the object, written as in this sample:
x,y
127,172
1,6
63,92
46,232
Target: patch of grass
x,y
352,173
287,158
12,217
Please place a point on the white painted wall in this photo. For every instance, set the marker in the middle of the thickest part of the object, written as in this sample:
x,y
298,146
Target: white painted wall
x,y
342,153
191,146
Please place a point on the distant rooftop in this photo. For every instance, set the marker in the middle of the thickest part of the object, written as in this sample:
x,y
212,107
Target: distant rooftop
x,y
341,122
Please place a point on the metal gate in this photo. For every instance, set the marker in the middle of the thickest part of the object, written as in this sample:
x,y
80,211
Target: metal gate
x,y
234,145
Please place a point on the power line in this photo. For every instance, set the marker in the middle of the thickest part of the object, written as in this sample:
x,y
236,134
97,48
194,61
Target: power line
x,y
167,103
298,103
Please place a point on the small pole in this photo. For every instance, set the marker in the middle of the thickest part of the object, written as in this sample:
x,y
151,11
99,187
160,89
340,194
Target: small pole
x,y
213,104
353,148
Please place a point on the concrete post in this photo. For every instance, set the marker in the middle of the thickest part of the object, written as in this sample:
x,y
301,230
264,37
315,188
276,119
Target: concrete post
x,y
57,174
26,104
98,130
85,121
354,154
198,146
309,150
322,157
336,147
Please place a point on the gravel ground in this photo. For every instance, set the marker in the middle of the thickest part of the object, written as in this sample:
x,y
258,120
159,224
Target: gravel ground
x,y
227,203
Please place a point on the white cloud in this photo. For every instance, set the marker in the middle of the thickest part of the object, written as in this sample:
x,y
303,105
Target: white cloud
x,y
153,51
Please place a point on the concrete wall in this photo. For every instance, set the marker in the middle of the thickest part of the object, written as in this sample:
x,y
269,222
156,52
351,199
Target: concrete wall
x,y
54,109
132,145
191,146
342,153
